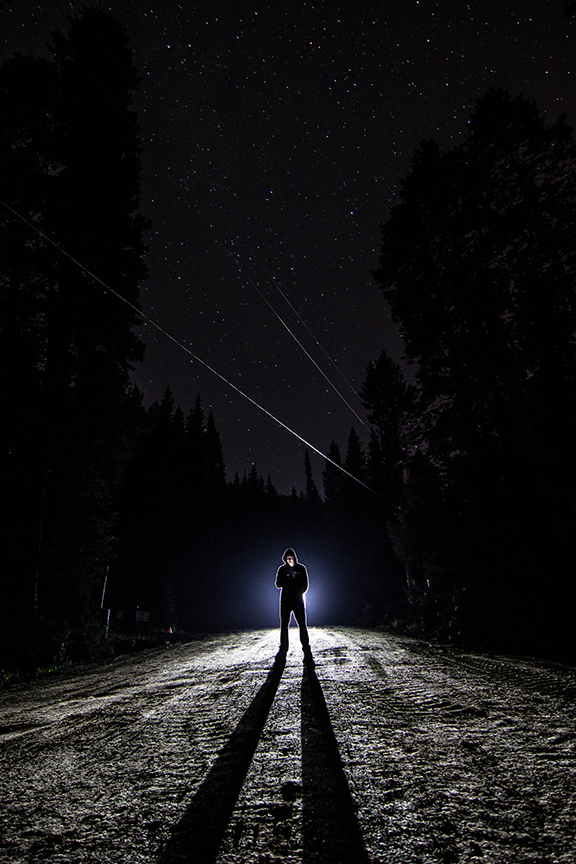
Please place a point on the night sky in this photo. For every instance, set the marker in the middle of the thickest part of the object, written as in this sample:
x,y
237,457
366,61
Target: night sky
x,y
275,138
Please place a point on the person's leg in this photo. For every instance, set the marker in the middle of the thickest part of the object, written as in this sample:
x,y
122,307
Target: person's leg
x,y
285,612
300,615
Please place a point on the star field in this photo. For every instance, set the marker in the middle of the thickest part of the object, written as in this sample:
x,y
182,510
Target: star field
x,y
275,138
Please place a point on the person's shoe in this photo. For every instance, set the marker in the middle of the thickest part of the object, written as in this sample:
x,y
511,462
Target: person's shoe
x,y
308,659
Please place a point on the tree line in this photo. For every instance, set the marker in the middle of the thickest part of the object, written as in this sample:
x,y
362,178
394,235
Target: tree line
x,y
462,523
199,552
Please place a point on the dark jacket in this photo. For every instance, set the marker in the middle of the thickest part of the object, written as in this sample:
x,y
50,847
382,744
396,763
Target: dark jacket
x,y
292,580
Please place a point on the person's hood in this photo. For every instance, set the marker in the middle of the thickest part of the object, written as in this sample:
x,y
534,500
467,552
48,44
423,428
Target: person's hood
x,y
292,553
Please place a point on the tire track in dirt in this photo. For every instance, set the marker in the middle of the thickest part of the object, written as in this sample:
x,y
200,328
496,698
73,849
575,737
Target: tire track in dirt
x,y
124,764
436,755
456,767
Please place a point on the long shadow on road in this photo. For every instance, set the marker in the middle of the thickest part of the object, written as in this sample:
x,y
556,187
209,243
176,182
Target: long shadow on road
x,y
330,830
196,838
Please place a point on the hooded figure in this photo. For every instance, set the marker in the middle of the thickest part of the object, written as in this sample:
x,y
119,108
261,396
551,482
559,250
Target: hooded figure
x,y
292,580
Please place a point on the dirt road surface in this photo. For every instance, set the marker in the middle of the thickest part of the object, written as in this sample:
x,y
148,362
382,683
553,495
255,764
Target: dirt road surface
x,y
387,750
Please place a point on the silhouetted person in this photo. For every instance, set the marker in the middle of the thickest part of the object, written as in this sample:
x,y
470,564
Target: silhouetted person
x,y
292,580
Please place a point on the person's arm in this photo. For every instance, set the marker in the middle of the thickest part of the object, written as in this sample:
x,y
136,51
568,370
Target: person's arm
x,y
304,578
279,577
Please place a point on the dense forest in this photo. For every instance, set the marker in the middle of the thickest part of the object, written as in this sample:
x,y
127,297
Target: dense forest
x,y
69,167
120,520
478,264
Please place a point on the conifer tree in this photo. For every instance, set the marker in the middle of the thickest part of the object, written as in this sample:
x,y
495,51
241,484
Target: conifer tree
x,y
392,411
312,494
69,165
355,462
478,263
215,465
332,477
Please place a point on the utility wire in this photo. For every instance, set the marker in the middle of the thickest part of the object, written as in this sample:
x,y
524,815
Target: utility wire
x,y
133,124
274,281
293,335
192,354
236,259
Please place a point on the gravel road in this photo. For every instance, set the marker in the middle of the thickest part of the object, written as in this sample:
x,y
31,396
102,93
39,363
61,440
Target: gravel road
x,y
387,750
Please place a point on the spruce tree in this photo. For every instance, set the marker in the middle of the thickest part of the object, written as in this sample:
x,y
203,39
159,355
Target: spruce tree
x,y
392,408
312,495
332,477
478,263
70,166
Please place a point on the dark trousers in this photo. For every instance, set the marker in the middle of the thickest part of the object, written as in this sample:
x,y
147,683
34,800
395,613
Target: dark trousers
x,y
289,605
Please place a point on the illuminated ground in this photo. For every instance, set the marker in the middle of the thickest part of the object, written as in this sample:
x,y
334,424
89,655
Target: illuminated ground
x,y
390,750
